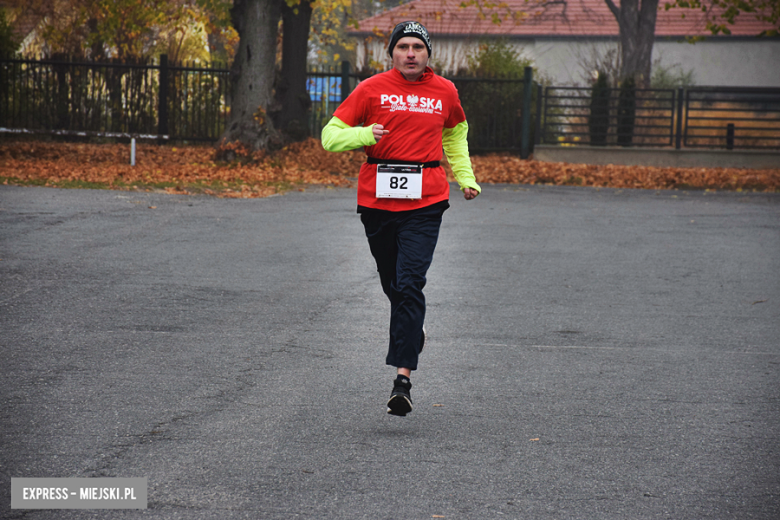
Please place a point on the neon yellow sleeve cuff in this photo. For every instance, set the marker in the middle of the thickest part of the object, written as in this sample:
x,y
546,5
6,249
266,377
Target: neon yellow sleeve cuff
x,y
338,136
456,146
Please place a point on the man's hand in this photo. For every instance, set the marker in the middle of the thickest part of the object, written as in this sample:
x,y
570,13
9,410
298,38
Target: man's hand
x,y
470,193
379,132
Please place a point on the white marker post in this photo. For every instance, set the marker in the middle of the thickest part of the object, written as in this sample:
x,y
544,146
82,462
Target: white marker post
x,y
132,151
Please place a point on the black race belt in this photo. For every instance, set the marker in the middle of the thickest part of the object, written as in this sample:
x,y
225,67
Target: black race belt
x,y
429,164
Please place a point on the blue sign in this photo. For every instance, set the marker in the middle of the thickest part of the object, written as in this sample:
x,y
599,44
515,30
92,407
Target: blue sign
x,y
328,89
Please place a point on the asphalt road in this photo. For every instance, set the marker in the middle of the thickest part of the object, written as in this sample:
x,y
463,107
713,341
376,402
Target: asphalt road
x,y
591,354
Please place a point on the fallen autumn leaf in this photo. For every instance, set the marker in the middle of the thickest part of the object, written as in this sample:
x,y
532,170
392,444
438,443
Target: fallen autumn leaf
x,y
196,169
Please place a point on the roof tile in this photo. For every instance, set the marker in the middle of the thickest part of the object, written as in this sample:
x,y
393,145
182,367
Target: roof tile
x,y
519,18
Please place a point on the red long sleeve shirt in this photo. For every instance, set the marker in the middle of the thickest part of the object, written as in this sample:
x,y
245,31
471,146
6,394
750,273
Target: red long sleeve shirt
x,y
415,113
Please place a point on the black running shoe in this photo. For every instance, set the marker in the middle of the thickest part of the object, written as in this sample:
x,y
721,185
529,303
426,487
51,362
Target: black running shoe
x,y
400,402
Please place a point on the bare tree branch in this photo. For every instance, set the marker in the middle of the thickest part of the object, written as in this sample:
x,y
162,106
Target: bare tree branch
x,y
612,7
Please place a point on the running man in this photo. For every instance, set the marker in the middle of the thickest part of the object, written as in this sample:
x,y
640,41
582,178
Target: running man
x,y
403,118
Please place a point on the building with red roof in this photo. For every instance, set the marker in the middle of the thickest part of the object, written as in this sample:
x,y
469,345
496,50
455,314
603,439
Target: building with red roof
x,y
566,38
24,25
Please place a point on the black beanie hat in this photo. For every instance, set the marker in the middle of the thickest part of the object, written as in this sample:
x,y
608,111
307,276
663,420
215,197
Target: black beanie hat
x,y
414,29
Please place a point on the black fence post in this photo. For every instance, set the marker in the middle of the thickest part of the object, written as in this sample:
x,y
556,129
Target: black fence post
x,y
62,96
162,122
525,136
678,137
345,90
626,112
539,105
730,136
598,122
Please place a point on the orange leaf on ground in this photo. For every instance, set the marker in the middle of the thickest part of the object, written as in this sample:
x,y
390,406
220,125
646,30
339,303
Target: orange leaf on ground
x,y
307,163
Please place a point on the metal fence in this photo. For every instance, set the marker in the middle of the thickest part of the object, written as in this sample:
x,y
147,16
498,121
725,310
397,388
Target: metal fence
x,y
732,118
113,99
493,107
703,117
190,103
577,116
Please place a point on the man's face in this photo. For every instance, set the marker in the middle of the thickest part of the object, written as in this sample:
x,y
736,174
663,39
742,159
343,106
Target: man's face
x,y
410,57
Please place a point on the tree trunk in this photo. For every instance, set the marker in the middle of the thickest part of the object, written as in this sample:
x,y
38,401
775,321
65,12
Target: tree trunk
x,y
636,19
291,94
252,75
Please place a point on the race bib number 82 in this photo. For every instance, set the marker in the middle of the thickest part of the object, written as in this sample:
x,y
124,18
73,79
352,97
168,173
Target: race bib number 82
x,y
399,181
